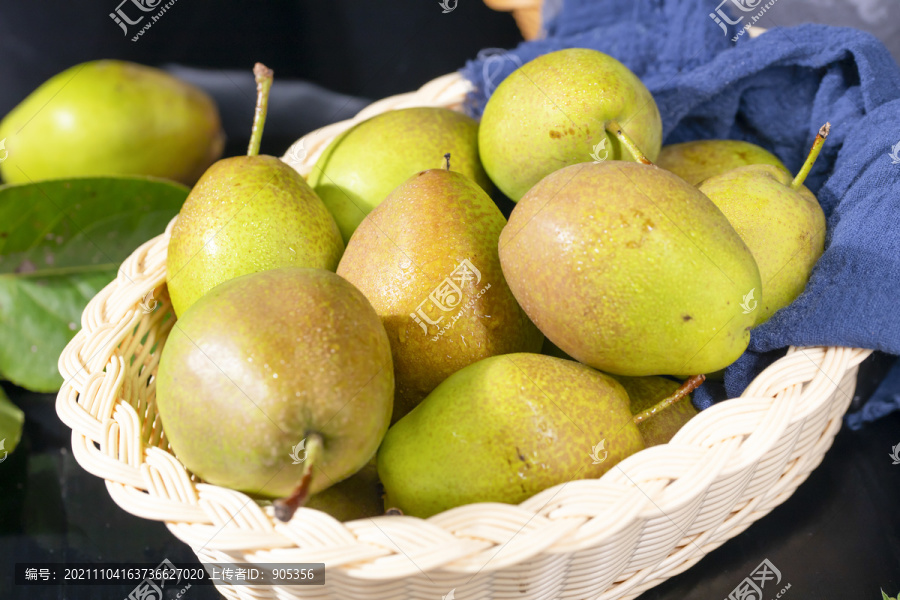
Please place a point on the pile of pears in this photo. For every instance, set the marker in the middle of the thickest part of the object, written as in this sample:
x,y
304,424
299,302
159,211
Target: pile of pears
x,y
381,339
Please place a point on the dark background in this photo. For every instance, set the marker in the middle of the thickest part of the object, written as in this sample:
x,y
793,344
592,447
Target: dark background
x,y
838,537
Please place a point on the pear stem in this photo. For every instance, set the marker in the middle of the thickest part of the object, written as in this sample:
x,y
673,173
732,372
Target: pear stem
x,y
264,76
286,507
447,158
614,128
686,388
813,155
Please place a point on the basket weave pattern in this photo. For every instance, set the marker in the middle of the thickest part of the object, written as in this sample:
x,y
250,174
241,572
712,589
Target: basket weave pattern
x,y
652,516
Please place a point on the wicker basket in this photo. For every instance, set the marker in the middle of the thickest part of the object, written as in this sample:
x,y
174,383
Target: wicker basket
x,y
649,518
652,516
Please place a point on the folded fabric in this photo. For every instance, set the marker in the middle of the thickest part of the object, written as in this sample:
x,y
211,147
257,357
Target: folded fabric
x,y
711,80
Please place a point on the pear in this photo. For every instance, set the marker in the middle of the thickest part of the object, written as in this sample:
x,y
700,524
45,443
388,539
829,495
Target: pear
x,y
504,429
701,159
277,383
357,497
248,214
426,258
364,164
643,394
629,269
781,222
551,112
110,117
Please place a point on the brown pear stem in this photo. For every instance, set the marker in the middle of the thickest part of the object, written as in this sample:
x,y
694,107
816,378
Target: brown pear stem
x,y
286,507
614,128
264,76
686,388
813,155
447,158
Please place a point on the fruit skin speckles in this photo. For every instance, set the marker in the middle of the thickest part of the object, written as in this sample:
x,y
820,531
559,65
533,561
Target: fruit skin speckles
x,y
781,222
230,422
629,320
248,214
427,260
699,160
556,411
120,118
554,97
361,166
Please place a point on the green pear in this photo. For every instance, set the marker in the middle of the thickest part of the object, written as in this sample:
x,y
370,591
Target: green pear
x,y
552,112
357,497
699,160
364,164
426,258
502,430
508,427
277,383
644,393
110,117
781,222
629,269
248,214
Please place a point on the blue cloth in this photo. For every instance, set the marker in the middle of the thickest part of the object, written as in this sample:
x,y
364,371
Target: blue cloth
x,y
776,91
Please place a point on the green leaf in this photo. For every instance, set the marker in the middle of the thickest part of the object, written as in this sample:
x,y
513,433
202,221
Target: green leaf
x,y
11,420
61,242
